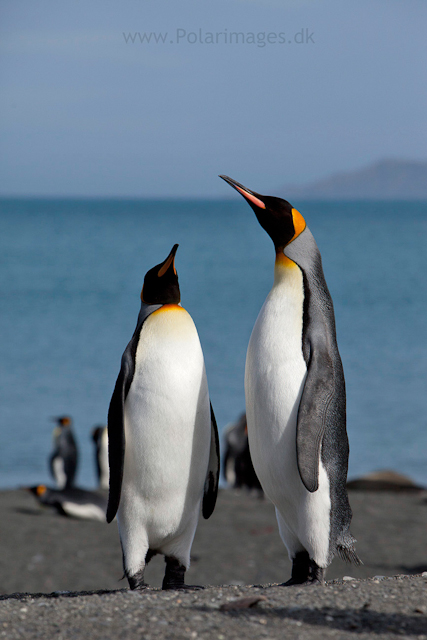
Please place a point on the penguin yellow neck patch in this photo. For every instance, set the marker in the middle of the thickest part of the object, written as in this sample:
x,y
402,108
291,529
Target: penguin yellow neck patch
x,y
284,261
168,307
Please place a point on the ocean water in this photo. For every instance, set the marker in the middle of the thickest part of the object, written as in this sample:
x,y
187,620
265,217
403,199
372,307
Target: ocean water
x,y
70,278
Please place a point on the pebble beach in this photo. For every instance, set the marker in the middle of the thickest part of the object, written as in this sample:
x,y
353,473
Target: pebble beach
x,y
61,577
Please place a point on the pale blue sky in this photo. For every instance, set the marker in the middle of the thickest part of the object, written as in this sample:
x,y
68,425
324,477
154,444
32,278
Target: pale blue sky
x,y
85,113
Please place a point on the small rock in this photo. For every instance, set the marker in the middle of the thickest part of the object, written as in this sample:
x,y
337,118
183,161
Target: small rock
x,y
419,609
348,578
241,603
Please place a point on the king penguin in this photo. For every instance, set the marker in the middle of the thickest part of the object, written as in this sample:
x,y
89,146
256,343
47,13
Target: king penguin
x,y
163,438
295,398
73,502
64,457
100,440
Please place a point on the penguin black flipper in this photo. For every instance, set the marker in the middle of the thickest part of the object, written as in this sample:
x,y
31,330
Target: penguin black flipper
x,y
210,492
322,408
116,426
316,411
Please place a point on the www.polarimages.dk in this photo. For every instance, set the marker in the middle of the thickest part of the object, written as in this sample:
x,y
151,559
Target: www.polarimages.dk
x,y
182,36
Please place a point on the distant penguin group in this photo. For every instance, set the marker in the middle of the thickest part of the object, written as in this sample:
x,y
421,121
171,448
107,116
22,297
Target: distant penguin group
x,y
63,461
163,440
66,498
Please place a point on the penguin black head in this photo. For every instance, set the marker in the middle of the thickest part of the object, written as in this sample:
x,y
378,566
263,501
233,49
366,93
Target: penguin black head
x,y
97,432
161,282
62,421
278,217
38,491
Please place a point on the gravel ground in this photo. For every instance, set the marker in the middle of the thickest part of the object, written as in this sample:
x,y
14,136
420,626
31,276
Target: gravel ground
x,y
380,608
43,552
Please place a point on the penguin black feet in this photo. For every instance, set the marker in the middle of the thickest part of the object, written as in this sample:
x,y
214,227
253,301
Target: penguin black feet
x,y
174,575
137,581
304,571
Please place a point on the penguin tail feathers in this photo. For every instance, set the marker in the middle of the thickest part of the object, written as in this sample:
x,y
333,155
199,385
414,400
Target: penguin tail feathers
x,y
348,554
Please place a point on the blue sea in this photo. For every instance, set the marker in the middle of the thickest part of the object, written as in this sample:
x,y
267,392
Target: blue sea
x,y
70,278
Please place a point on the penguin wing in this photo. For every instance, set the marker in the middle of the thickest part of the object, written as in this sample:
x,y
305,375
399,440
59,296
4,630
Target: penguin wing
x,y
116,425
212,477
322,405
116,434
314,414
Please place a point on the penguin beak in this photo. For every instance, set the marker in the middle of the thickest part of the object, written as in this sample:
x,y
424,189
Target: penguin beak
x,y
170,260
253,198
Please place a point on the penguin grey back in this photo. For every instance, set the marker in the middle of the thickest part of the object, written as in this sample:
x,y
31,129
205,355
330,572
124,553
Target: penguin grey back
x,y
321,423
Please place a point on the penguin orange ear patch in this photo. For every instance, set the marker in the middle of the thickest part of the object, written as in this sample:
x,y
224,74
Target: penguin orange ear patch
x,y
249,196
41,489
299,222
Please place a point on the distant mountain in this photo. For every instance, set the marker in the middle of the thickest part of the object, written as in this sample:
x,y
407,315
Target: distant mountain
x,y
384,180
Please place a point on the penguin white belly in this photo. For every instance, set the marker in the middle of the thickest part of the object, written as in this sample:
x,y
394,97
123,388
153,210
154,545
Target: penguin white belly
x,y
59,472
104,479
274,380
167,430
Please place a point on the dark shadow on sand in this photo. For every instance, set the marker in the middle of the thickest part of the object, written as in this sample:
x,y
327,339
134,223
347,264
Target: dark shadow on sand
x,y
356,620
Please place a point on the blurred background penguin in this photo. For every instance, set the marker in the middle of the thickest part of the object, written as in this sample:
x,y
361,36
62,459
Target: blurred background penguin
x,y
64,457
238,469
100,439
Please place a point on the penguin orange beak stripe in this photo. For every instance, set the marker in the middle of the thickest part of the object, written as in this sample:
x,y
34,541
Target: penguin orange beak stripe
x,y
166,266
244,192
249,196
169,260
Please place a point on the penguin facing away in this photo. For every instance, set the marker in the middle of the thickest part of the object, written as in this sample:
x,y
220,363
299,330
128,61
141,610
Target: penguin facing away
x,y
100,440
295,398
64,457
238,469
163,439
